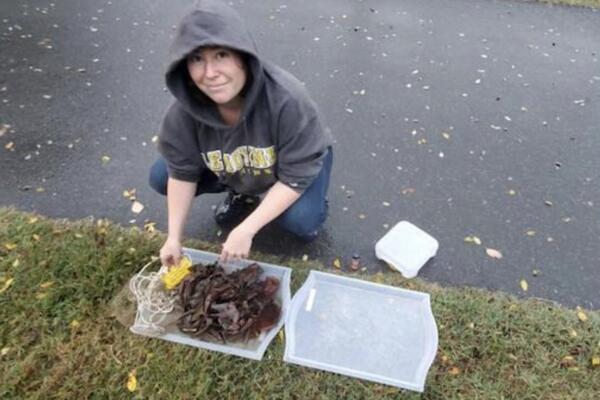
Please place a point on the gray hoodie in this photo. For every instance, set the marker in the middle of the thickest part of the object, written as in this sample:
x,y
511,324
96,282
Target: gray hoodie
x,y
278,137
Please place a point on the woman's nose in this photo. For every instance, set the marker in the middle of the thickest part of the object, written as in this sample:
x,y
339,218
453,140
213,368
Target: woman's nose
x,y
210,70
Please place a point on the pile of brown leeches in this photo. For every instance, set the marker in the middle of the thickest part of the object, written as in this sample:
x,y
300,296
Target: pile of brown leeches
x,y
227,307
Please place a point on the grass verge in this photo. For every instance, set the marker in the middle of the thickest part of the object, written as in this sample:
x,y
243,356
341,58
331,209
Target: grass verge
x,y
58,338
574,3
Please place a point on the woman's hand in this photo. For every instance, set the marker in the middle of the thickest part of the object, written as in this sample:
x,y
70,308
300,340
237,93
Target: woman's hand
x,y
170,253
237,245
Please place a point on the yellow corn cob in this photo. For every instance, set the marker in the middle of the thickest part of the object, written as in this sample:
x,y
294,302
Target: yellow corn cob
x,y
176,274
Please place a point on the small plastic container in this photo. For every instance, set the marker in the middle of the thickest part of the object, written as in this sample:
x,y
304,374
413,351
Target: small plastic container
x,y
406,248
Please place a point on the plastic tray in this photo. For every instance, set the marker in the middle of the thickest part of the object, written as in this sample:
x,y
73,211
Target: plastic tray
x,y
362,329
255,348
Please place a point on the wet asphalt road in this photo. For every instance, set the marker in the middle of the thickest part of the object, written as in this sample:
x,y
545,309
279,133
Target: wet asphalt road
x,y
465,118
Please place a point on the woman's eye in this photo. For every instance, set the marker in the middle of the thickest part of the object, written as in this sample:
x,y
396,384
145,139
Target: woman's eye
x,y
222,54
195,58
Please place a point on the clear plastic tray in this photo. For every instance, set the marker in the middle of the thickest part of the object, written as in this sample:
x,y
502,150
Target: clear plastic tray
x,y
362,329
255,348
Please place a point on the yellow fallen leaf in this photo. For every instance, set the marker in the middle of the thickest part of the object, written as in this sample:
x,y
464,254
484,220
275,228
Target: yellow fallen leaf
x,y
595,362
154,139
47,284
129,194
531,232
524,285
9,146
281,335
74,324
446,135
512,192
40,189
33,220
582,316
35,237
7,284
132,382
41,295
305,257
105,159
16,263
4,351
477,240
454,371
362,216
137,207
573,333
10,246
337,263
493,253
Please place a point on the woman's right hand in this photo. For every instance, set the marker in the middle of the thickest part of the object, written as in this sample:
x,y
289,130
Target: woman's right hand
x,y
170,253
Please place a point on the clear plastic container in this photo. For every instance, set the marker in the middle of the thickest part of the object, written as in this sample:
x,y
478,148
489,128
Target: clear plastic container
x,y
406,248
362,329
254,348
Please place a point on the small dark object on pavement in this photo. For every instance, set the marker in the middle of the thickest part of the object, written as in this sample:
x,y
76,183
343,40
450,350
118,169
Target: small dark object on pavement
x,y
355,262
227,307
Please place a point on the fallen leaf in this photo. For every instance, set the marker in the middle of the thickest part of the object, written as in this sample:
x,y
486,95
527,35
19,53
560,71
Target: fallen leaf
x,y
129,194
47,284
473,239
137,207
9,145
446,135
305,257
493,253
7,285
16,263
337,263
568,362
582,316
4,351
105,159
74,324
35,237
512,192
3,129
150,227
454,371
132,382
41,295
595,362
32,220
10,246
530,233
154,139
573,333
524,285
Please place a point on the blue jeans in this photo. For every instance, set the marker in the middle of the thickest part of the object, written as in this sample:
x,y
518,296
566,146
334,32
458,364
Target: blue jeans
x,y
304,218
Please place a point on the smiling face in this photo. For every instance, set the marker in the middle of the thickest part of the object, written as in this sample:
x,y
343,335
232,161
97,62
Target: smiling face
x,y
219,73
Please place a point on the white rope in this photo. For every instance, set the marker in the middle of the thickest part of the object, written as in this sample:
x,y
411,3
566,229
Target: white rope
x,y
153,302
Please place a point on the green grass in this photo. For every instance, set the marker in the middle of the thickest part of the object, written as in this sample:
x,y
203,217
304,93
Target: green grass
x,y
574,3
491,345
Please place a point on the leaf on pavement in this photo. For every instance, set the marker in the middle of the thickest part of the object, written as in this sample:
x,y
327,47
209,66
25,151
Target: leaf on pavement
x,y
493,253
524,285
137,207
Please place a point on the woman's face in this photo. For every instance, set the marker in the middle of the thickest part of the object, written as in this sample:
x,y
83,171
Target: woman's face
x,y
218,72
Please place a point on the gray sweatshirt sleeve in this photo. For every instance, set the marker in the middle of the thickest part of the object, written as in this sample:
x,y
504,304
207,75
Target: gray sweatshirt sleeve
x,y
178,144
302,144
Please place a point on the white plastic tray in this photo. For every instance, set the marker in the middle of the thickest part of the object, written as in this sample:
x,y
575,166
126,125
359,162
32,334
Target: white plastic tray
x,y
362,329
255,348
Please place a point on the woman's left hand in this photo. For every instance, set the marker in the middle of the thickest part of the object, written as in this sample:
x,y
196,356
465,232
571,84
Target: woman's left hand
x,y
237,245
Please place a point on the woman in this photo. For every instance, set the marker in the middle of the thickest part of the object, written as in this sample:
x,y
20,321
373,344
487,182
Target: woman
x,y
238,124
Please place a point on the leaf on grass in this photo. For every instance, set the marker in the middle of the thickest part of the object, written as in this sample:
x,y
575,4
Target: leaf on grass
x,y
581,315
454,371
32,220
524,285
4,351
16,263
137,207
132,382
568,362
595,361
150,227
493,253
305,257
74,324
337,263
7,285
573,333
10,246
47,284
35,237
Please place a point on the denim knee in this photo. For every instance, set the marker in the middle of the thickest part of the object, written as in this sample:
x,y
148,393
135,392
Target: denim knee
x,y
159,177
302,222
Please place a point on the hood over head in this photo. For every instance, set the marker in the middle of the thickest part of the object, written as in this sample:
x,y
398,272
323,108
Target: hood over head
x,y
211,23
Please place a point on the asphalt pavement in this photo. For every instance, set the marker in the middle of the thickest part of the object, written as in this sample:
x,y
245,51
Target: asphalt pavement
x,y
470,119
